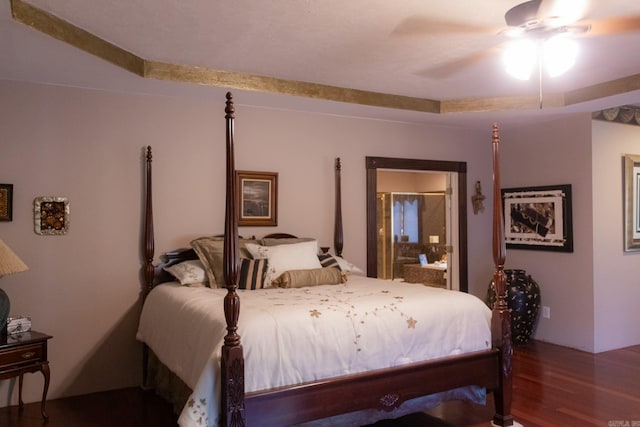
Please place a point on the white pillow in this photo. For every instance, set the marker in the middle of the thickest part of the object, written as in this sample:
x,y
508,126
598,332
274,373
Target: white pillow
x,y
281,258
347,266
188,272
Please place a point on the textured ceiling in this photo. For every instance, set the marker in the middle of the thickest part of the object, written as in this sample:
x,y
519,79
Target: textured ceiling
x,y
397,48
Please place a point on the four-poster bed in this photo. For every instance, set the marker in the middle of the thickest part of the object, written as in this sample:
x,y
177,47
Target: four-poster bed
x,y
242,401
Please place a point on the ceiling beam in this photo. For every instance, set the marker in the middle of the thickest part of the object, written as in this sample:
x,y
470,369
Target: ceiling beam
x,y
253,82
500,103
603,90
64,31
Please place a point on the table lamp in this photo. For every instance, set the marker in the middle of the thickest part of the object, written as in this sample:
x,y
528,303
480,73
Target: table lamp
x,y
9,264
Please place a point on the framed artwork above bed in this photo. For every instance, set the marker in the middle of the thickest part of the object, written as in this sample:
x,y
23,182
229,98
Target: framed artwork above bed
x,y
258,198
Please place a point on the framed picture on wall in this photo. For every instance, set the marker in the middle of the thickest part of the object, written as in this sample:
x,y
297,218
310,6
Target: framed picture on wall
x,y
6,202
631,202
538,218
51,215
258,198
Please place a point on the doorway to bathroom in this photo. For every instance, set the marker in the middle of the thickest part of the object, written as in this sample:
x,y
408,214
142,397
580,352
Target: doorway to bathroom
x,y
416,221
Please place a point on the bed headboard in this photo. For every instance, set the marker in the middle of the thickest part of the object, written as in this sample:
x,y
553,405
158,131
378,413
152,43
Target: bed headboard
x,y
154,274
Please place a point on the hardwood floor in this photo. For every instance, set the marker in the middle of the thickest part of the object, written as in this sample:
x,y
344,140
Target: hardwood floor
x,y
553,386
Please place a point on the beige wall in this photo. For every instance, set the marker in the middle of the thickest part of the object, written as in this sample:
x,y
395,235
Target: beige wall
x,y
558,153
84,287
593,291
616,273
409,182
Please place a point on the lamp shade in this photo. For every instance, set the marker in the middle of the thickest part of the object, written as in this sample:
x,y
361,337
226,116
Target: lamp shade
x,y
9,264
520,58
558,54
9,261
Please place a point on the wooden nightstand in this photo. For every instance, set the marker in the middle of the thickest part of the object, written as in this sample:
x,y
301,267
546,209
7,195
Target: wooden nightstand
x,y
25,352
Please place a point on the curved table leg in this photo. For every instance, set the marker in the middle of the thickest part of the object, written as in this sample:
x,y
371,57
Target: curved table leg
x,y
20,402
45,372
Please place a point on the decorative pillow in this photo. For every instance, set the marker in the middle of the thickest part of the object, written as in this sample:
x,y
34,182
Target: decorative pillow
x,y
311,277
327,260
252,274
296,256
348,267
270,241
209,250
189,272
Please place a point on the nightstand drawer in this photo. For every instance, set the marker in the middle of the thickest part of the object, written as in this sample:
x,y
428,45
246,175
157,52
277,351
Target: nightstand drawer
x,y
22,355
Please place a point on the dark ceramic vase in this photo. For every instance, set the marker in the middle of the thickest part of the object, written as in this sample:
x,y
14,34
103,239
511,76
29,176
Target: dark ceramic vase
x,y
523,298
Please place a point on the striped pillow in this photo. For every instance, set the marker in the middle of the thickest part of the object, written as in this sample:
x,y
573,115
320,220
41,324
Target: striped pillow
x,y
252,274
327,260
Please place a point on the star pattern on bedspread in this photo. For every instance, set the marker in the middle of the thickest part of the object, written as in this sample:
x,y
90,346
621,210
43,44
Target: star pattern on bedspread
x,y
411,323
341,301
198,411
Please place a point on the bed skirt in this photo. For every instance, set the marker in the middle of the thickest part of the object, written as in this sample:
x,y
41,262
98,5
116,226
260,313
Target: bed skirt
x,y
166,384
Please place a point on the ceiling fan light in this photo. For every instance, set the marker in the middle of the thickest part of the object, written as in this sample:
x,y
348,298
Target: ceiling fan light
x,y
559,55
520,59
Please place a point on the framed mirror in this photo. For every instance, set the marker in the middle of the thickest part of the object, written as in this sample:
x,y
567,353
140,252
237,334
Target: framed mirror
x,y
631,202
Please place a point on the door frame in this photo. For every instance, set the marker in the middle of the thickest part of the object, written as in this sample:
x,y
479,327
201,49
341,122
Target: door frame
x,y
375,163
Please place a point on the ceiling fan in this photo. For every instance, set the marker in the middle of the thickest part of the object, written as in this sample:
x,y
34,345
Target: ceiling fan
x,y
534,20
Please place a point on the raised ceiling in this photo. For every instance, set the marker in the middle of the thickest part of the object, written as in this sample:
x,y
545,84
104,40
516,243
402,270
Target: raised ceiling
x,y
419,61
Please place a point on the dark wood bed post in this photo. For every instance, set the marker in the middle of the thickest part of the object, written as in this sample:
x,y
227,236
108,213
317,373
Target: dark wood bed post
x,y
232,364
501,316
337,225
149,248
148,270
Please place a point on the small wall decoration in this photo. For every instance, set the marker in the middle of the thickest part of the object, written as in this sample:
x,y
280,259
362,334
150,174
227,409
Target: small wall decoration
x,y
6,202
538,218
51,215
631,202
477,200
258,198
628,114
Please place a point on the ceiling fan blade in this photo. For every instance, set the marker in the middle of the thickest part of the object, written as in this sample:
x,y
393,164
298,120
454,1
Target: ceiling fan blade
x,y
425,25
619,25
455,66
562,12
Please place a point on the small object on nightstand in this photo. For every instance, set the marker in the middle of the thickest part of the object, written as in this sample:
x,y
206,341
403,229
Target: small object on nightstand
x,y
18,325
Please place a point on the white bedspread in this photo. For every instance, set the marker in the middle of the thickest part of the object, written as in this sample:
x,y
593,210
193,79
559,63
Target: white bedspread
x,y
291,336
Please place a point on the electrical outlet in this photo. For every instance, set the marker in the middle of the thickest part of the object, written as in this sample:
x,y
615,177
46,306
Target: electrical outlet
x,y
546,312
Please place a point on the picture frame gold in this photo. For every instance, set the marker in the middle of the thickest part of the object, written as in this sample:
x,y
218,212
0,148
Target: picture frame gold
x,y
631,202
51,215
6,202
258,204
